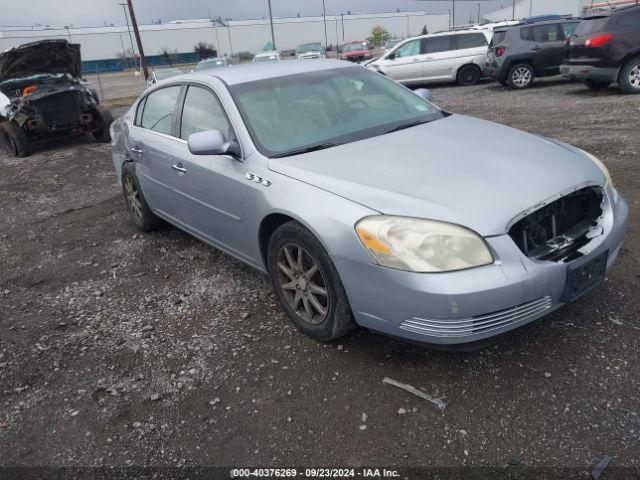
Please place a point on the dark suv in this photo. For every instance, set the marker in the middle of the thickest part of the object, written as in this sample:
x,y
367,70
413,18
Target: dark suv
x,y
522,52
605,48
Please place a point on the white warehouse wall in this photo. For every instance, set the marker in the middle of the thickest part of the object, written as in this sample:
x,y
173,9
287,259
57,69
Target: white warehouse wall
x,y
527,8
100,43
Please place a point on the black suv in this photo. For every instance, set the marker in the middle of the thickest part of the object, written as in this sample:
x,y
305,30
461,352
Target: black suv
x,y
605,48
519,53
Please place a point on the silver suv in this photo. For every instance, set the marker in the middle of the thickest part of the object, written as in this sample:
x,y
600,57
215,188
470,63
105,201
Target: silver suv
x,y
442,57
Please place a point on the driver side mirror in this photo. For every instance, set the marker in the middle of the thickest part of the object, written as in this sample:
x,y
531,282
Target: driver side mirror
x,y
212,142
424,93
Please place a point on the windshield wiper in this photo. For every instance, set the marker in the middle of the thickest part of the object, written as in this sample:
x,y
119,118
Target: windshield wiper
x,y
300,151
407,125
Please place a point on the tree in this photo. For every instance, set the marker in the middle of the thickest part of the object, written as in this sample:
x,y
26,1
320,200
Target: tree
x,y
424,30
379,35
205,50
169,57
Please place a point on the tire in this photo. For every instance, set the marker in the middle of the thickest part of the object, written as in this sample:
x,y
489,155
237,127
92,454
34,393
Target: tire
x,y
13,140
102,120
595,85
468,75
298,291
139,211
629,80
520,76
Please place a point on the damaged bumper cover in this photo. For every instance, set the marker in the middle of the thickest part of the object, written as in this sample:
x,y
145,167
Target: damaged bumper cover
x,y
467,307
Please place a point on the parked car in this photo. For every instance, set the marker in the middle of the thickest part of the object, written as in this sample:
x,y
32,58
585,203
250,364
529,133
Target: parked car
x,y
520,53
156,76
367,206
356,51
270,57
43,96
604,49
308,51
217,62
442,57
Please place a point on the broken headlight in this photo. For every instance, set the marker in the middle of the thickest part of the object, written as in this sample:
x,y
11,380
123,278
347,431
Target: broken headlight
x,y
605,172
418,245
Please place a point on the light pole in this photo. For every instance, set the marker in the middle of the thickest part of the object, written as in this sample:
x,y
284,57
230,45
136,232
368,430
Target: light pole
x,y
324,19
478,14
126,19
453,15
273,37
513,12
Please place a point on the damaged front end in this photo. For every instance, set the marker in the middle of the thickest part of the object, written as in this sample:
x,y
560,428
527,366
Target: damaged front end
x,y
559,230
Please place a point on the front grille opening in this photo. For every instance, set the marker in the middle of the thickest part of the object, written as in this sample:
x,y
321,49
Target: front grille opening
x,y
557,231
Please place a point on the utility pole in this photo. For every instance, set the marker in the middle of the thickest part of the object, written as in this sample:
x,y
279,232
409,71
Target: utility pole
x,y
453,15
324,19
136,32
342,15
126,19
273,37
449,13
513,14
478,14
531,7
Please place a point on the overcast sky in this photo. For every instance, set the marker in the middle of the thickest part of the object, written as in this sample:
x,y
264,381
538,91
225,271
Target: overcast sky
x,y
97,12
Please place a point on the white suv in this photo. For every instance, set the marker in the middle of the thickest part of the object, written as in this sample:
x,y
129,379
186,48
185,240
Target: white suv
x,y
442,57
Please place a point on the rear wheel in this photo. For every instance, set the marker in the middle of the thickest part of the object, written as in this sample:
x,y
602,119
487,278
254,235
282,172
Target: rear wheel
x,y
629,80
102,120
307,284
468,75
135,202
595,85
13,140
521,76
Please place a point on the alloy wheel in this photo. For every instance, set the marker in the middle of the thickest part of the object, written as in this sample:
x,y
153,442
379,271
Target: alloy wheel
x,y
521,77
302,283
133,199
634,76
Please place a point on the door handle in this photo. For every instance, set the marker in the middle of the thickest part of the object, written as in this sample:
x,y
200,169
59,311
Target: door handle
x,y
136,150
537,47
179,168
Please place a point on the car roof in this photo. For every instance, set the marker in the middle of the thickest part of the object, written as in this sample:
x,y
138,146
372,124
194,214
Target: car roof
x,y
249,72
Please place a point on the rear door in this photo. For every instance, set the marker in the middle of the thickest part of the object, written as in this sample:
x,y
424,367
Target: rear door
x,y
151,137
545,44
405,64
471,48
210,188
439,57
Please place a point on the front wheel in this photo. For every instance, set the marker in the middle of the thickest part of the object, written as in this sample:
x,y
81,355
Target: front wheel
x,y
520,76
135,202
630,77
13,140
307,284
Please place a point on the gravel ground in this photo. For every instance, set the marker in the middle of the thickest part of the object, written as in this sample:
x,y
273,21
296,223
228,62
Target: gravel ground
x,y
119,348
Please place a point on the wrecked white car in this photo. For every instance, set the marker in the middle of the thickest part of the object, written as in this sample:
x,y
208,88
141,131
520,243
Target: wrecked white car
x,y
42,96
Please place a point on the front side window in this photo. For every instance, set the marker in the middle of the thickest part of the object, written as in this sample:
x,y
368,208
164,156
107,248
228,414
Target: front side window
x,y
202,112
437,44
314,110
541,33
409,49
159,109
471,40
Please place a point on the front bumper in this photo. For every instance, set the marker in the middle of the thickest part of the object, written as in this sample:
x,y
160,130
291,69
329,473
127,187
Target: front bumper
x,y
589,72
469,306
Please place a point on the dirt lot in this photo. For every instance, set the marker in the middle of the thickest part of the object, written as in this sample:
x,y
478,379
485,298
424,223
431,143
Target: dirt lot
x,y
120,348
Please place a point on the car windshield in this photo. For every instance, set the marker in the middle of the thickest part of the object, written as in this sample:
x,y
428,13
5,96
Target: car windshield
x,y
352,47
161,75
310,111
309,47
207,64
266,58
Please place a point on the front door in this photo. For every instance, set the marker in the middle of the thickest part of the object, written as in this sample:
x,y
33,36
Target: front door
x,y
211,189
405,63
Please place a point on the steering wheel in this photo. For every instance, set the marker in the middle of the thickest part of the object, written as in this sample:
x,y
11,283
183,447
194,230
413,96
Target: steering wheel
x,y
347,111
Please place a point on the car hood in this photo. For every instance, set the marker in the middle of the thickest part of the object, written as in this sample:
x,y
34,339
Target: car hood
x,y
47,56
457,169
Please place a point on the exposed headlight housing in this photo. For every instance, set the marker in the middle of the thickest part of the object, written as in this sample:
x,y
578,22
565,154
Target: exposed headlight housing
x,y
424,246
602,166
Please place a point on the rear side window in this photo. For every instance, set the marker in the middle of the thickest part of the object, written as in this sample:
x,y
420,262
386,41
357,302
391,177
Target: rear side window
x,y
569,28
437,44
630,20
159,109
591,25
471,40
202,112
498,38
541,33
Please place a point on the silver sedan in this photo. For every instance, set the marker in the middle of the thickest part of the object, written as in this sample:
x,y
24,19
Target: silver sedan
x,y
366,204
